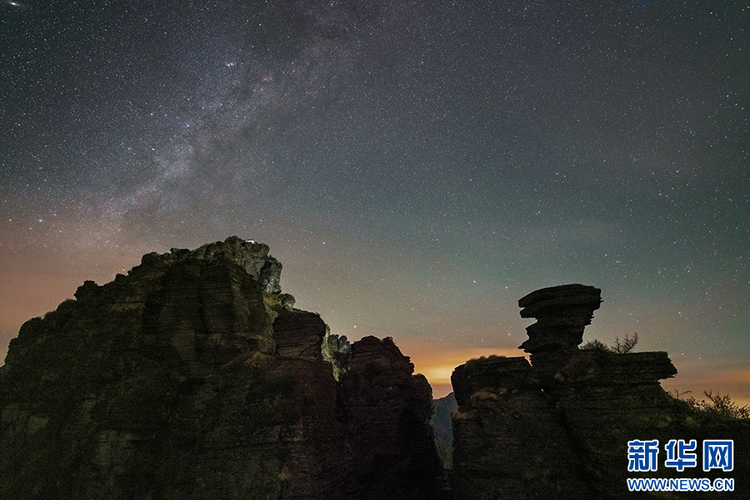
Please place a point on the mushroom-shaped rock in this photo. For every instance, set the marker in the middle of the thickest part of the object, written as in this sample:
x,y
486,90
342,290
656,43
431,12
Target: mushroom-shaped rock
x,y
562,313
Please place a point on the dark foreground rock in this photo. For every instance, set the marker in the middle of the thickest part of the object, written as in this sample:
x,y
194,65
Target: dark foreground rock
x,y
193,377
558,427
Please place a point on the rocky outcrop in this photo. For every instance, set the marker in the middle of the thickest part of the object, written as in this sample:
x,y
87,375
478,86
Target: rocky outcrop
x,y
194,377
387,408
562,312
558,427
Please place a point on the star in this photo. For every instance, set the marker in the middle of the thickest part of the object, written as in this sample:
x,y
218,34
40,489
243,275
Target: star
x,y
417,168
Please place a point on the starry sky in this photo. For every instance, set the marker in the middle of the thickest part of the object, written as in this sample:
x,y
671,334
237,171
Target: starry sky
x,y
417,166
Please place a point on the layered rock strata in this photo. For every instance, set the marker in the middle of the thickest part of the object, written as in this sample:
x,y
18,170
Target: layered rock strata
x,y
562,313
387,408
194,377
558,427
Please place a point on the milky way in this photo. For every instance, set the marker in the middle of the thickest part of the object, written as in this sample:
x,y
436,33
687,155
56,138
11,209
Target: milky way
x,y
416,166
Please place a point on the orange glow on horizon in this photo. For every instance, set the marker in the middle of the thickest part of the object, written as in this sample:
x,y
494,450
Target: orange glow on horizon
x,y
694,379
437,361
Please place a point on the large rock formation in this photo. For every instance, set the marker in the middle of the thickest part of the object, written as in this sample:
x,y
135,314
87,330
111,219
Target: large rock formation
x,y
194,377
387,408
558,427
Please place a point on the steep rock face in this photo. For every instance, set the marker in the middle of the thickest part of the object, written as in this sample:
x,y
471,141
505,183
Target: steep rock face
x,y
508,441
558,427
194,377
387,408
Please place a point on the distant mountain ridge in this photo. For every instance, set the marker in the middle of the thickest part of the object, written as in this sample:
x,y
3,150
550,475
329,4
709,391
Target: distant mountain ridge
x,y
443,427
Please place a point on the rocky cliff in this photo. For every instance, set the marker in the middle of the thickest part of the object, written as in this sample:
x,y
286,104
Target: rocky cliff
x,y
194,377
558,427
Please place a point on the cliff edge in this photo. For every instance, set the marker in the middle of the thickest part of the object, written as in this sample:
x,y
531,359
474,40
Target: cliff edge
x,y
558,427
193,376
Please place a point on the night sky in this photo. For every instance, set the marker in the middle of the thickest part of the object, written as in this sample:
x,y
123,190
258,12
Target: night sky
x,y
417,167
